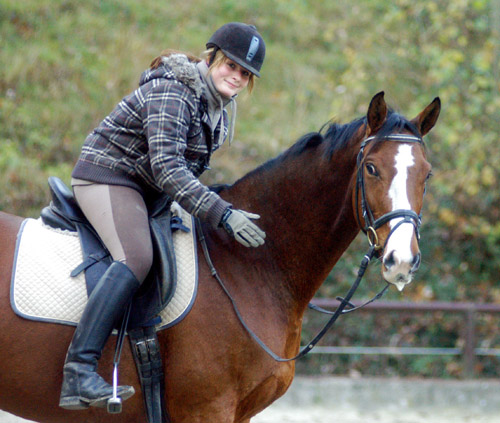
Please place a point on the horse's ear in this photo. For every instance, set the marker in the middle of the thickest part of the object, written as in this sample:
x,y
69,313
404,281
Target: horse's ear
x,y
377,113
426,120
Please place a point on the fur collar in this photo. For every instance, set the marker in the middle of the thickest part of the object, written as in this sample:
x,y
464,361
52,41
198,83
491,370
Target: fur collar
x,y
185,71
176,66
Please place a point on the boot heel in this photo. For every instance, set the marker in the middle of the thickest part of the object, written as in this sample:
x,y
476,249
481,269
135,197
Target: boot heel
x,y
73,403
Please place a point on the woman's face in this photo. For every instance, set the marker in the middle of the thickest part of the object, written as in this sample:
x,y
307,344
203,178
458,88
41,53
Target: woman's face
x,y
230,78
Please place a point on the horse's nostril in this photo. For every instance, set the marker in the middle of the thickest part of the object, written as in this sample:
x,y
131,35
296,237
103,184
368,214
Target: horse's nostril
x,y
389,261
416,262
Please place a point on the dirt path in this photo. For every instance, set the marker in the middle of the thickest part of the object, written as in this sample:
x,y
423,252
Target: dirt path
x,y
325,400
329,400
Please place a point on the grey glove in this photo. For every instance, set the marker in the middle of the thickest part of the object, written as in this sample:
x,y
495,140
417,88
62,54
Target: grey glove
x,y
238,224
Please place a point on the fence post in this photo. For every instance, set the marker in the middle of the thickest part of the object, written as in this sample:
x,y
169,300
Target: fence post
x,y
470,343
495,35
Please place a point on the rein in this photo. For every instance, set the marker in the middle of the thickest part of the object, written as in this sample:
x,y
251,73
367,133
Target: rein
x,y
344,302
370,229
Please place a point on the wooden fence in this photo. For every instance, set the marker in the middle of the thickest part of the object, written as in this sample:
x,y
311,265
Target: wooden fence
x,y
470,311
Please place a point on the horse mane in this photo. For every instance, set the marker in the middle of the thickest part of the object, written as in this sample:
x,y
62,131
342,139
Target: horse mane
x,y
337,136
397,123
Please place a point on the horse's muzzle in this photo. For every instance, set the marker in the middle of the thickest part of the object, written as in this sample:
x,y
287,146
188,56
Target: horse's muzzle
x,y
399,270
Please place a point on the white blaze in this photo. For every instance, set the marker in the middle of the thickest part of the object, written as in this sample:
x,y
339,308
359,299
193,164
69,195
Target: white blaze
x,y
400,240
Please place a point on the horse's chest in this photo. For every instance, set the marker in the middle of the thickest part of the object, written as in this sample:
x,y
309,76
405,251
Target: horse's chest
x,y
270,386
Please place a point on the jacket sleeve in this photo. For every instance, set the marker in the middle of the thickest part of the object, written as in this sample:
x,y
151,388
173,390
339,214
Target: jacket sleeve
x,y
169,109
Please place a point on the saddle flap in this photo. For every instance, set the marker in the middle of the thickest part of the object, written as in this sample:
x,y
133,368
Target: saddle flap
x,y
63,200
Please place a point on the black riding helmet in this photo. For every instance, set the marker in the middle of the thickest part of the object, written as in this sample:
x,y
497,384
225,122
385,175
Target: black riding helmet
x,y
241,43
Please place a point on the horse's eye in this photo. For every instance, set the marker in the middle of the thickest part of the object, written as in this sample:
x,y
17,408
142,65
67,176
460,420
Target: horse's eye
x,y
429,176
371,169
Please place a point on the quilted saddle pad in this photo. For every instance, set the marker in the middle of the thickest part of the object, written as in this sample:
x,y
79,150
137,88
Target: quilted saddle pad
x,y
43,290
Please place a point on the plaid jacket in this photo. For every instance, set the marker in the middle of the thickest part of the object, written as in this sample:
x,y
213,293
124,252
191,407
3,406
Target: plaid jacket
x,y
158,138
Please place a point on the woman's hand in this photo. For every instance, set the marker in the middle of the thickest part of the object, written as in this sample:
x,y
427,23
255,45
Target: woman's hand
x,y
238,224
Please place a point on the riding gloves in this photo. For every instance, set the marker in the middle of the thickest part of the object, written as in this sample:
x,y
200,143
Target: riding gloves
x,y
238,224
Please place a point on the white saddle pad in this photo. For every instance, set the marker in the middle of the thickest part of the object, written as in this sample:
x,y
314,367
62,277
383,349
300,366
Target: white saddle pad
x,y
43,290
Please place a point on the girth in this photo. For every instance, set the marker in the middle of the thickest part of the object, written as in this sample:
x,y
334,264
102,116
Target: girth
x,y
147,355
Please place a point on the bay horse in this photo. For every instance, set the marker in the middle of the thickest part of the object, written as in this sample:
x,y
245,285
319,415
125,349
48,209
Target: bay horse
x,y
311,211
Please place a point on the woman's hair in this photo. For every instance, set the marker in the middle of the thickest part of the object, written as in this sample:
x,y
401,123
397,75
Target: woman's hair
x,y
215,57
157,61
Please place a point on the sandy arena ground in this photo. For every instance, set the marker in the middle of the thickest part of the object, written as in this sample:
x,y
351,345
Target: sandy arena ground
x,y
328,400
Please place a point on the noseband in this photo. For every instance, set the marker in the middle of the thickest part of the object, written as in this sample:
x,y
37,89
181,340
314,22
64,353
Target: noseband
x,y
371,224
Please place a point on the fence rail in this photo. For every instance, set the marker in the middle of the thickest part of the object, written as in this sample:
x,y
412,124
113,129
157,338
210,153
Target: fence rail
x,y
469,310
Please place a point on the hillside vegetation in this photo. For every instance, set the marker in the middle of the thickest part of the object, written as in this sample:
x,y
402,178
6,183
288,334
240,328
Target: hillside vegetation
x,y
65,63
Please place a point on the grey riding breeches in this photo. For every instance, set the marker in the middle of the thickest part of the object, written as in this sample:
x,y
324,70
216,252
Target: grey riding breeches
x,y
120,217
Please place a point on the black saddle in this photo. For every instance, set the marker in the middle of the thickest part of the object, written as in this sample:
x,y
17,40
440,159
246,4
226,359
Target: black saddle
x,y
159,286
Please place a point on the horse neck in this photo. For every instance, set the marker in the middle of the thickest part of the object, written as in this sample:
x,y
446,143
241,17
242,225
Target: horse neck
x,y
305,204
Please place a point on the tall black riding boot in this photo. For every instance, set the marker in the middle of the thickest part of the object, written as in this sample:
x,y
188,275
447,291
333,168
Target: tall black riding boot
x,y
82,386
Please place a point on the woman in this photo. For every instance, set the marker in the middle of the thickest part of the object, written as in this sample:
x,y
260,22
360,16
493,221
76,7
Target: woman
x,y
158,139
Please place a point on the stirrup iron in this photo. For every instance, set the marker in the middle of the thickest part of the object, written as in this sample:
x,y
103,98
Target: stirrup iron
x,y
114,404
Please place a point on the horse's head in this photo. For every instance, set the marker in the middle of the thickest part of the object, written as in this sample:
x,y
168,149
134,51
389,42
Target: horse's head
x,y
391,178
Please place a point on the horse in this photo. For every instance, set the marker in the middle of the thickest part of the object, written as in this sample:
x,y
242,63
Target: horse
x,y
311,207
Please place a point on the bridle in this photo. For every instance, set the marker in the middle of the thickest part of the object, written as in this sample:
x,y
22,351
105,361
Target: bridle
x,y
371,224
